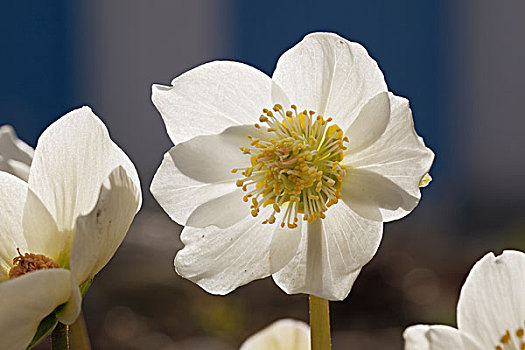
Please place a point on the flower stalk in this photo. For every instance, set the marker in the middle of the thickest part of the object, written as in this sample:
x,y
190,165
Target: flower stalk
x,y
320,323
79,334
319,307
60,337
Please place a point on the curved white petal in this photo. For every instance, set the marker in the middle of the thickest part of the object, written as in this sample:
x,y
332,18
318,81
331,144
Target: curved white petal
x,y
195,184
370,123
222,211
329,74
69,313
41,232
12,197
101,232
208,99
422,337
375,197
492,299
15,154
331,256
286,334
73,157
399,154
26,300
220,260
279,96
179,195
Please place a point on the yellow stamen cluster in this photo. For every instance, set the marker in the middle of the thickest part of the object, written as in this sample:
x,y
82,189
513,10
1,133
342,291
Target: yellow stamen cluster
x,y
30,262
298,165
512,340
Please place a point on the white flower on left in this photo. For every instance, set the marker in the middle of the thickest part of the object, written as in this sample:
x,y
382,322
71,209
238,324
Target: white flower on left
x,y
283,334
61,227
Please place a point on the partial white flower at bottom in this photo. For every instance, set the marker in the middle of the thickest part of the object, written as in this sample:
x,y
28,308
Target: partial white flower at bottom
x,y
286,334
490,312
62,226
15,154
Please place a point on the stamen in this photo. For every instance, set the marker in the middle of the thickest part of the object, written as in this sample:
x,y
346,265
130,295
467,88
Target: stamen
x,y
297,166
509,342
30,262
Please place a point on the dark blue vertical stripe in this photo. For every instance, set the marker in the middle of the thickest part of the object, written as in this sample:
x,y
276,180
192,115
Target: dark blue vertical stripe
x,y
35,58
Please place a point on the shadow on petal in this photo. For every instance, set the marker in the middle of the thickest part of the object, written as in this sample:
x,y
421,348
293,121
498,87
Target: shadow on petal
x,y
373,196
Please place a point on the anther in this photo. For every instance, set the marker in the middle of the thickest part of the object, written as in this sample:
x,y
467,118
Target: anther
x,y
30,262
298,166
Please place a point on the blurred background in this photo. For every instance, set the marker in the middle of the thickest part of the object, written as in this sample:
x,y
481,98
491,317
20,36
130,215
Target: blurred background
x,y
459,62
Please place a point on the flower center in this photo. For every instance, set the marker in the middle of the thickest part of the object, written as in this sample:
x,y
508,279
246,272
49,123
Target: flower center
x,y
512,341
30,262
297,167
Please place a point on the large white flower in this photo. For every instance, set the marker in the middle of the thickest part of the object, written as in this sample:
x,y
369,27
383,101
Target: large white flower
x,y
490,312
322,140
15,154
285,334
62,227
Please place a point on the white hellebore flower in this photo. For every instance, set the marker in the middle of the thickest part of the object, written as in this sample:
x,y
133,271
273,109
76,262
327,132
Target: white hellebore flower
x,y
490,312
258,160
15,154
285,334
62,227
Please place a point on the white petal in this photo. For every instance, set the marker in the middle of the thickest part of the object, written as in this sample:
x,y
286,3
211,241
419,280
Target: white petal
x,y
15,154
222,211
12,197
329,74
72,158
279,96
422,337
195,185
370,124
220,260
101,232
330,257
492,299
208,99
399,154
69,313
26,300
16,168
41,232
286,334
375,197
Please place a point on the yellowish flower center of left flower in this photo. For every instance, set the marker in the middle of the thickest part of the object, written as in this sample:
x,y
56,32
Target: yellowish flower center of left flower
x,y
297,168
30,262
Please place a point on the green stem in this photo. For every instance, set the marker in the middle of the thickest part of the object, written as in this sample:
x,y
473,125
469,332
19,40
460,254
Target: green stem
x,y
60,338
319,323
319,308
79,334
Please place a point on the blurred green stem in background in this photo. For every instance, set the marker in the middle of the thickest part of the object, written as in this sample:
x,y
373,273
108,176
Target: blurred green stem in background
x,y
319,323
60,337
79,334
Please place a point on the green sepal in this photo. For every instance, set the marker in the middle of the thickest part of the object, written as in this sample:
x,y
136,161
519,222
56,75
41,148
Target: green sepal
x,y
46,326
84,287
